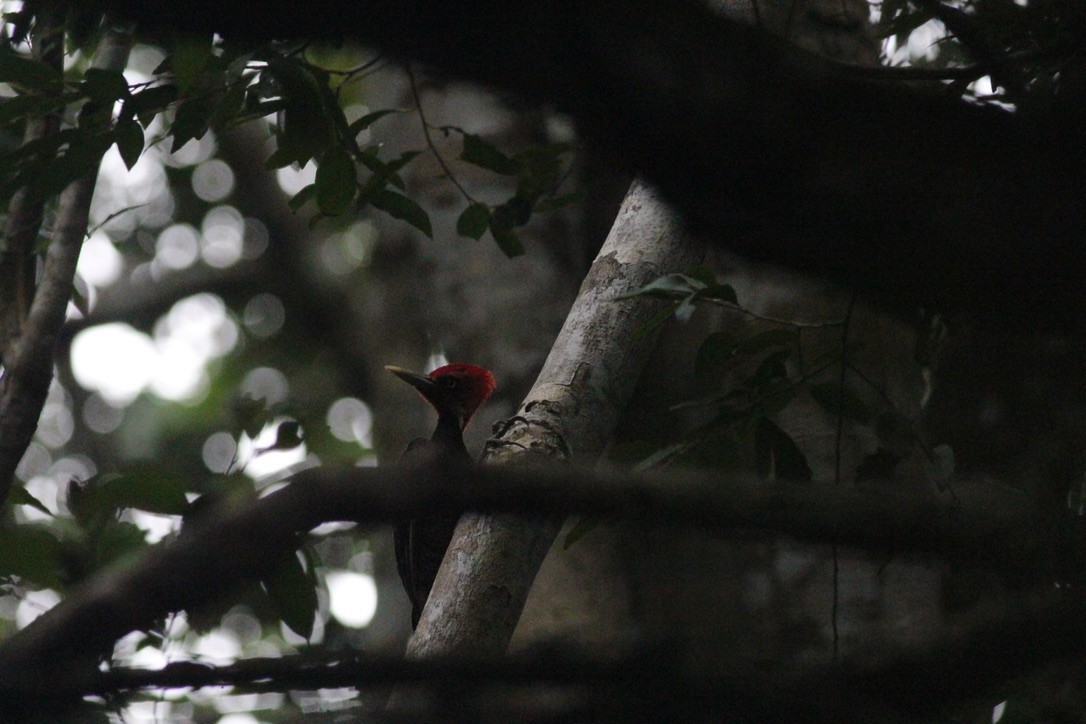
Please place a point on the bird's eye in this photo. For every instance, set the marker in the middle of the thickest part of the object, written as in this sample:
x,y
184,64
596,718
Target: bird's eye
x,y
450,382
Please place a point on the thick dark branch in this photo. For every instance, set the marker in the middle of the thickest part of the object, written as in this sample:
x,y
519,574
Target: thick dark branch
x,y
595,686
765,148
917,684
306,671
240,542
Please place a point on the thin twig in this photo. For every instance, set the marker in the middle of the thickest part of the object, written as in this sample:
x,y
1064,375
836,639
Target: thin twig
x,y
429,140
775,320
837,473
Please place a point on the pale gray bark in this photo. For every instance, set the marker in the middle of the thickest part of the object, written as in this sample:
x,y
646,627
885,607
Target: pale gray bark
x,y
452,295
569,414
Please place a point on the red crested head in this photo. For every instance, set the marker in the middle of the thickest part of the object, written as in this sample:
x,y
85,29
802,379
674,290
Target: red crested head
x,y
456,390
471,383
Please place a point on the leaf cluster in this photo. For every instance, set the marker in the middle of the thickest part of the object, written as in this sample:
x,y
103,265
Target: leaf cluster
x,y
763,375
539,172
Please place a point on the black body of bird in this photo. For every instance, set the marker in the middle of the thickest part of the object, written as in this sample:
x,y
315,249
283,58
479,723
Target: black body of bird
x,y
456,391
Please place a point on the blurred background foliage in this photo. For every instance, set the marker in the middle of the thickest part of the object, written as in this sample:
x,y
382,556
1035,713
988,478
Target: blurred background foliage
x,y
275,222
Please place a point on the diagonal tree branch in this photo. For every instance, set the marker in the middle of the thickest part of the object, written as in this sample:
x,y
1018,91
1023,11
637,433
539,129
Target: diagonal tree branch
x,y
24,219
28,362
568,415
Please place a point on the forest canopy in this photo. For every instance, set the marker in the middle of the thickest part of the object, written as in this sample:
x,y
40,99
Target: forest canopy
x,y
814,411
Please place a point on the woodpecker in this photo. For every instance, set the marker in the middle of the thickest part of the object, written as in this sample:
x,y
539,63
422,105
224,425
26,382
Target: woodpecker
x,y
456,391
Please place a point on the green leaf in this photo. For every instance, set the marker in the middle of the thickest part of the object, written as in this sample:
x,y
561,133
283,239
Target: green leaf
x,y
129,137
45,147
714,354
703,274
474,221
718,450
307,128
560,202
400,207
719,293
94,116
627,453
507,239
21,22
484,155
32,552
81,159
368,120
105,86
117,540
669,286
389,170
190,122
769,339
280,158
698,284
250,415
541,167
287,436
655,322
383,173
147,103
775,396
903,25
30,106
153,489
771,370
777,455
336,181
841,402
229,106
658,459
517,211
188,58
21,496
299,199
580,528
685,310
293,590
27,73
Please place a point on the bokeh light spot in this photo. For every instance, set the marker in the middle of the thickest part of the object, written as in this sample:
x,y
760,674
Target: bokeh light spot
x,y
219,452
178,246
114,360
223,237
352,597
213,180
351,420
293,180
264,315
99,262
